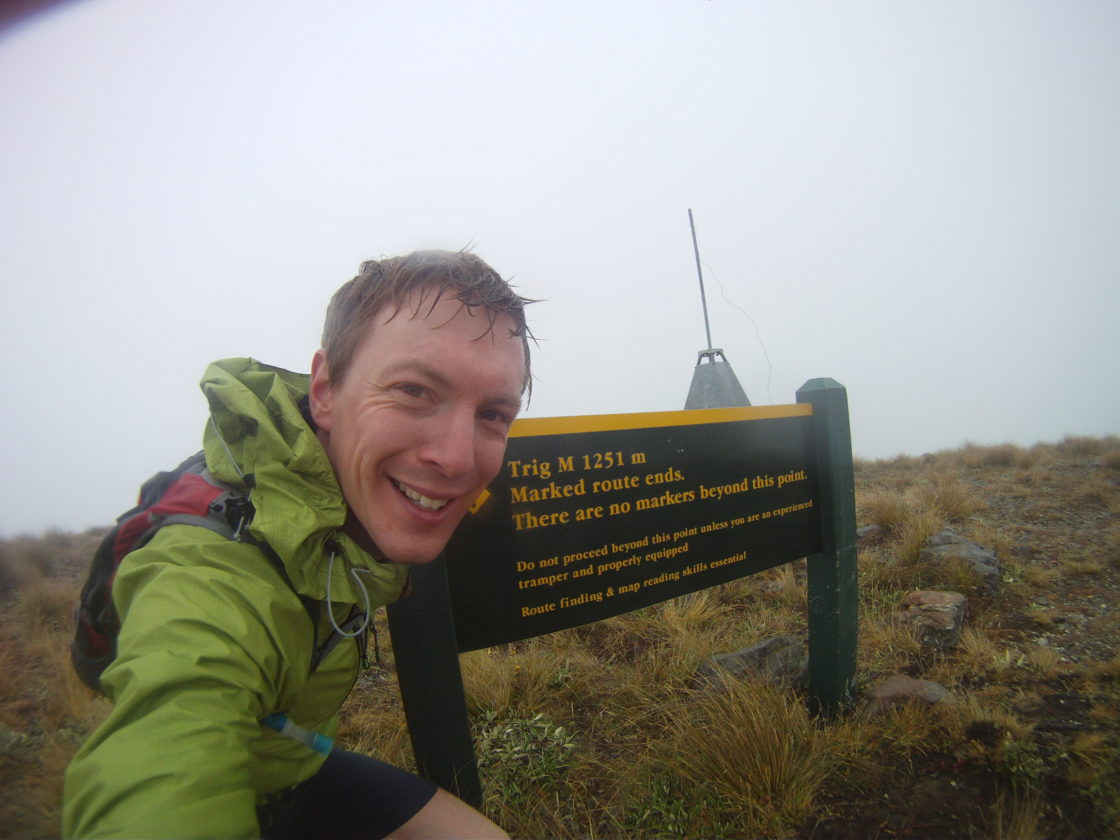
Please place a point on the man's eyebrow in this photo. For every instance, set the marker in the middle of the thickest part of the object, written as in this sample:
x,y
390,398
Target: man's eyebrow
x,y
422,369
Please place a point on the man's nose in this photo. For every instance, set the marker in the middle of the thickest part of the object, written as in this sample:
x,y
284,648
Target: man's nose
x,y
450,443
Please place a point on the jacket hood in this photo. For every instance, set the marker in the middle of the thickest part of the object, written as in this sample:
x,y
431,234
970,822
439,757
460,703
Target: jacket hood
x,y
257,440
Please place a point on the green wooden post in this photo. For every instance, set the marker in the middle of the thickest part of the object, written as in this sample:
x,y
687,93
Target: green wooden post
x,y
427,658
832,573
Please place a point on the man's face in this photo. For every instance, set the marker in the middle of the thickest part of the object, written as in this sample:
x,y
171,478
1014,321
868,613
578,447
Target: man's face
x,y
418,426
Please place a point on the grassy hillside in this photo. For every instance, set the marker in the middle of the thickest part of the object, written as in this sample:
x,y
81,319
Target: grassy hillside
x,y
597,731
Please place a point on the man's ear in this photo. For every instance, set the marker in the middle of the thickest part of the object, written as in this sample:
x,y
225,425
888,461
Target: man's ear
x,y
320,394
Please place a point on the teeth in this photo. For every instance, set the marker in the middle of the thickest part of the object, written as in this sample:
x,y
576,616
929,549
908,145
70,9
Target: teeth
x,y
420,498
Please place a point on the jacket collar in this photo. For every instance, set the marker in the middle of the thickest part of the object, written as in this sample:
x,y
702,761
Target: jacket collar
x,y
259,440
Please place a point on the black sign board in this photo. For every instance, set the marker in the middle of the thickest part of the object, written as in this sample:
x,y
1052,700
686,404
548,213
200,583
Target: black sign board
x,y
595,516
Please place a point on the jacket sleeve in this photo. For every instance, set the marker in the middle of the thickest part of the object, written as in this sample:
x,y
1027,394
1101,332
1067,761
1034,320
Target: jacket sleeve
x,y
199,663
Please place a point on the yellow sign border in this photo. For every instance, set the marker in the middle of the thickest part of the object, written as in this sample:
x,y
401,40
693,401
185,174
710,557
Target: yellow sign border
x,y
540,426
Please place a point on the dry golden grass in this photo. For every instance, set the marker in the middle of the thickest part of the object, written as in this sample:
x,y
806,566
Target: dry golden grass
x,y
1096,750
1034,575
886,645
953,498
912,537
880,572
47,603
1018,815
379,731
530,676
1088,447
971,711
1108,670
1083,567
1046,662
691,613
790,589
885,509
978,650
755,748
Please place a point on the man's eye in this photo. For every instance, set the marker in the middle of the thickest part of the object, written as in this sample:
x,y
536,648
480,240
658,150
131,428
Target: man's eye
x,y
495,416
414,391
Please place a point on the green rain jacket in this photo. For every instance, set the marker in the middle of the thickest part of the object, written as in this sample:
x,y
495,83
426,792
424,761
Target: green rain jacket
x,y
213,639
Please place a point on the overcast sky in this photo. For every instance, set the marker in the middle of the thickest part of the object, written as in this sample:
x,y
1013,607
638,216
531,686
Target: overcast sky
x,y
919,200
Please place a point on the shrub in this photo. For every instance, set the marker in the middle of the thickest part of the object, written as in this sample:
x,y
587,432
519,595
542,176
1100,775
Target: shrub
x,y
519,756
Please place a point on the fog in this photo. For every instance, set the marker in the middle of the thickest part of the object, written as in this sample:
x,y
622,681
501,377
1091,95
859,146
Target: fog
x,y
921,201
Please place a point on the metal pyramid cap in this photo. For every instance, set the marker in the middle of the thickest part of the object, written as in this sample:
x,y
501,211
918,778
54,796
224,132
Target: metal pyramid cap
x,y
714,384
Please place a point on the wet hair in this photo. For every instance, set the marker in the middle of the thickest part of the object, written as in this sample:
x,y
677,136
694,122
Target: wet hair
x,y
419,280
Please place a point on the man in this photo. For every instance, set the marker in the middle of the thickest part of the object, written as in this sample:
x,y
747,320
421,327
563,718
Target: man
x,y
354,474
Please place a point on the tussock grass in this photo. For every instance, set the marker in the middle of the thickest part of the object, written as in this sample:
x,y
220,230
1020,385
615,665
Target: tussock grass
x,y
953,498
21,562
959,576
379,730
692,613
49,603
1087,447
887,644
1033,575
758,752
972,714
533,675
886,510
1018,815
65,697
912,537
975,456
978,650
1046,662
1083,567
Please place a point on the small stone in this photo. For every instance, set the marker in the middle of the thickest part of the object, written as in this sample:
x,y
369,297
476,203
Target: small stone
x,y
937,616
780,656
947,545
868,533
898,690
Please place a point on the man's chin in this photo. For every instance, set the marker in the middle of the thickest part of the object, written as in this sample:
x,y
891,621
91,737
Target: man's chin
x,y
397,551
411,559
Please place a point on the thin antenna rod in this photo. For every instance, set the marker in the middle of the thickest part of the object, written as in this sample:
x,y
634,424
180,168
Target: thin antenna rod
x,y
700,274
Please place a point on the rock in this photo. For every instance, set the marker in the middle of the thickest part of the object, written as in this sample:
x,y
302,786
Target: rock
x,y
898,690
12,742
869,534
947,546
937,616
782,657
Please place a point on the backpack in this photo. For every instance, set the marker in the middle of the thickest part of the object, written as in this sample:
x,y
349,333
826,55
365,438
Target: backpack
x,y
186,495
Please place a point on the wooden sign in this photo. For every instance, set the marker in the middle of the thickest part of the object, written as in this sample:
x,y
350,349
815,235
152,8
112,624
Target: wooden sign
x,y
596,516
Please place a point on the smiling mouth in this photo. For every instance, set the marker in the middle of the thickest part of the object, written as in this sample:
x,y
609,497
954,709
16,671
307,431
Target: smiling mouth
x,y
419,498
